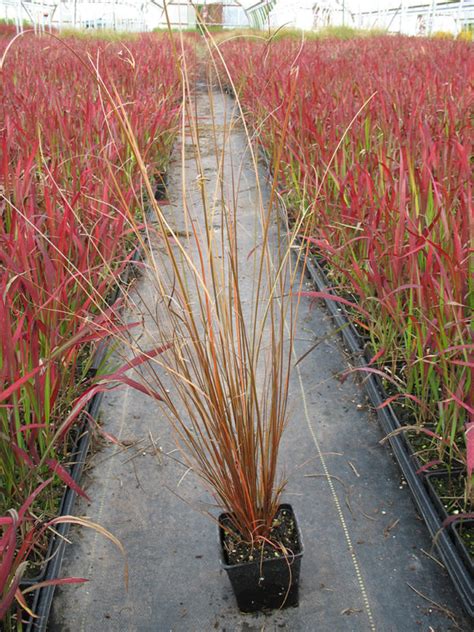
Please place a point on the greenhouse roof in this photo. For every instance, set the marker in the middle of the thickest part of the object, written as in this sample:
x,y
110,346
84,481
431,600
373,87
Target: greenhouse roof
x,y
411,17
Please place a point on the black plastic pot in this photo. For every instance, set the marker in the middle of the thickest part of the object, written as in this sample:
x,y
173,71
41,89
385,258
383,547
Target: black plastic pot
x,y
445,477
268,585
457,528
161,179
228,89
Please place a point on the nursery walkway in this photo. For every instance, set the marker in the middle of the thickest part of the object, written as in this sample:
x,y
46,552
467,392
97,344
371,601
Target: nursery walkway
x,y
367,559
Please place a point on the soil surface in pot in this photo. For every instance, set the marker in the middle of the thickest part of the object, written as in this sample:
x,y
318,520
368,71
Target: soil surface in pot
x,y
283,537
450,490
466,531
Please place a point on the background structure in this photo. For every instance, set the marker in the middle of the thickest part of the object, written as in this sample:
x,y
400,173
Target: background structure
x,y
410,17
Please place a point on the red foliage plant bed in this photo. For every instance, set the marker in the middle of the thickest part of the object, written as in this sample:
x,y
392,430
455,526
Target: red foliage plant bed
x,y
70,203
377,143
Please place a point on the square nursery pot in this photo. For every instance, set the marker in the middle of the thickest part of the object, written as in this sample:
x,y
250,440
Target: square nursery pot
x,y
443,486
161,180
461,530
268,585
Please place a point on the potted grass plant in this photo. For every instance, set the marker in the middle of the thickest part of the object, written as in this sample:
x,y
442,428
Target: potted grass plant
x,y
225,344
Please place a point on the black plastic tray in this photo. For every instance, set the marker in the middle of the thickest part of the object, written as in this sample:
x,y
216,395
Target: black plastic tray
x,y
389,421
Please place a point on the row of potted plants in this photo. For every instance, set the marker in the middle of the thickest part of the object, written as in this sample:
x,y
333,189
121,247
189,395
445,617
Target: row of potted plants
x,y
446,528
70,206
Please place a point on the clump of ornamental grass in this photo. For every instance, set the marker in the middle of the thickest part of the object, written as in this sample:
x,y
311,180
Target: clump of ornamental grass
x,y
220,360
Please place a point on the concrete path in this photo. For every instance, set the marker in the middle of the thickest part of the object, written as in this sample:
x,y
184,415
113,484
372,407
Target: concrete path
x,y
367,559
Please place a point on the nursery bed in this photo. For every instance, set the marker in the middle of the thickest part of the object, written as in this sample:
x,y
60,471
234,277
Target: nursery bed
x,y
451,556
367,561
